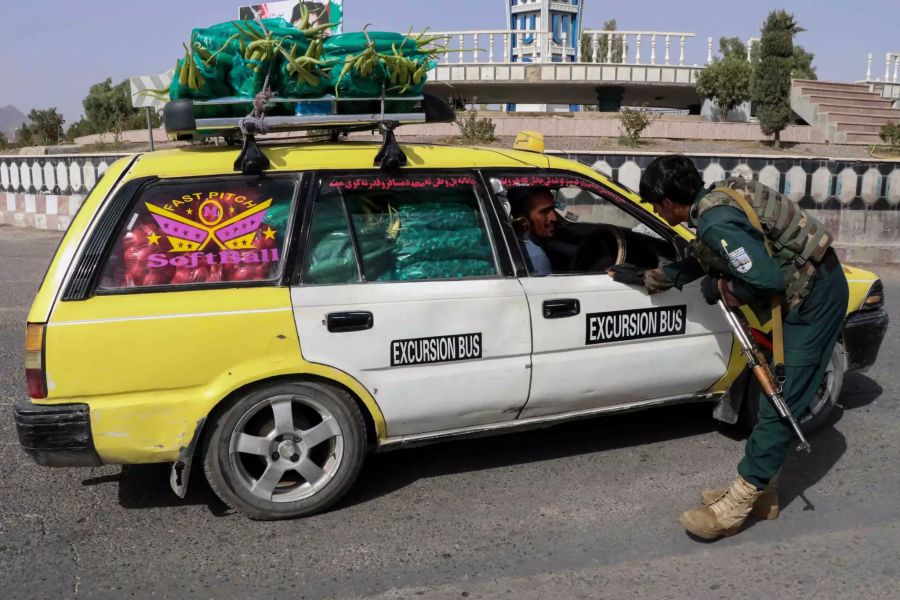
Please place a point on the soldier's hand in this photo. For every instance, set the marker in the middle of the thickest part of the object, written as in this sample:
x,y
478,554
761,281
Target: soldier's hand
x,y
626,273
727,295
709,287
714,290
656,281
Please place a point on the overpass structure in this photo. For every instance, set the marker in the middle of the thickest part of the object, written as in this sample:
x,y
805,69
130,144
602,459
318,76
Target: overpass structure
x,y
506,66
604,68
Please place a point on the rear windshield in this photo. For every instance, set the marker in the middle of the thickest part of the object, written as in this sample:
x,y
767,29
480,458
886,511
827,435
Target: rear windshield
x,y
201,232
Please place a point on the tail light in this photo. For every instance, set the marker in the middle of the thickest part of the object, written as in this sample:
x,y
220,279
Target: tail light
x,y
34,360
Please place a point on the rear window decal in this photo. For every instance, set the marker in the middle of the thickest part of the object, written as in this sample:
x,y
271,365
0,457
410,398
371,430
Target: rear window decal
x,y
624,325
181,235
186,234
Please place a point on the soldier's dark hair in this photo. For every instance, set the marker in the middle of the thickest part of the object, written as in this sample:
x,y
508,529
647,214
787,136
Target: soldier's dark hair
x,y
674,177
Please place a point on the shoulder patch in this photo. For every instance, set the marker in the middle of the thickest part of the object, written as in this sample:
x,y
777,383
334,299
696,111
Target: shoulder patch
x,y
740,260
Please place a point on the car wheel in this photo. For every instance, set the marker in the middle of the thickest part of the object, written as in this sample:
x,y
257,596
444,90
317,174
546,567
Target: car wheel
x,y
286,450
820,406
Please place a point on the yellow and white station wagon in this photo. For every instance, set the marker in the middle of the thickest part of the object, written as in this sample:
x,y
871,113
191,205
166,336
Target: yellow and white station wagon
x,y
276,327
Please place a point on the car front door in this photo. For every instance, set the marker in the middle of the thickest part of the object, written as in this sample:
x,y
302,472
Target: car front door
x,y
401,287
601,343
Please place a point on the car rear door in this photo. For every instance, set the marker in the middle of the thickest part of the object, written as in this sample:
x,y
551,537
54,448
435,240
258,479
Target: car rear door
x,y
601,343
402,287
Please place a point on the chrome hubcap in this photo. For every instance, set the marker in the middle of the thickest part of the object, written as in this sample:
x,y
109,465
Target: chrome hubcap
x,y
286,448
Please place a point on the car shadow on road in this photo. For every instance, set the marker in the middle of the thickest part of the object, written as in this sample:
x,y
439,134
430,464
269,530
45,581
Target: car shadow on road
x,y
147,486
386,473
858,390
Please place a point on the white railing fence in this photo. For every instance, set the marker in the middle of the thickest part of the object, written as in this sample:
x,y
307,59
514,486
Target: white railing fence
x,y
890,59
630,45
606,47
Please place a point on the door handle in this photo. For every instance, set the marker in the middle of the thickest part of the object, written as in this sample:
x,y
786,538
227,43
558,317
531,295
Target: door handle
x,y
349,321
562,308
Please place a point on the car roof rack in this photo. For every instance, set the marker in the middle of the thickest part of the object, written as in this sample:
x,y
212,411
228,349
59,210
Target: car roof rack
x,y
187,119
336,115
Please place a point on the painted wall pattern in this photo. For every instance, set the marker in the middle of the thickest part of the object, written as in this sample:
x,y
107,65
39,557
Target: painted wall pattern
x,y
46,191
815,183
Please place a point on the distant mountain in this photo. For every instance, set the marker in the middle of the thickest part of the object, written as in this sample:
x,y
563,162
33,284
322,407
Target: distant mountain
x,y
11,118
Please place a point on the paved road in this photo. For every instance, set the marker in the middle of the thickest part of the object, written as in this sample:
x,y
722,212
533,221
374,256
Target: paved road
x,y
585,510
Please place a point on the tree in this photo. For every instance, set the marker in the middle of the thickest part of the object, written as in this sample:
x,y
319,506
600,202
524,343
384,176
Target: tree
x,y
23,136
803,64
727,80
78,129
772,84
46,127
587,48
107,108
732,46
603,43
3,141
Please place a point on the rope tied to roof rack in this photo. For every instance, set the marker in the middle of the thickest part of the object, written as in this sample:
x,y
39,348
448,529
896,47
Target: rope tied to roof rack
x,y
251,160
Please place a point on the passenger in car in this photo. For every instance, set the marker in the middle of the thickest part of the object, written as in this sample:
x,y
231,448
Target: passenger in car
x,y
534,218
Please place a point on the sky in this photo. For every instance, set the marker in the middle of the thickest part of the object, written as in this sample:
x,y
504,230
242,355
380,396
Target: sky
x,y
52,51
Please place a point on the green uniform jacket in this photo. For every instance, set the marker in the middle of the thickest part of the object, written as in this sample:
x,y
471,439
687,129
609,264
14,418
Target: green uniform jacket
x,y
755,276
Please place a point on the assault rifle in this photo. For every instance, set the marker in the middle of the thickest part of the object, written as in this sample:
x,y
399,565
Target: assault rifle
x,y
760,367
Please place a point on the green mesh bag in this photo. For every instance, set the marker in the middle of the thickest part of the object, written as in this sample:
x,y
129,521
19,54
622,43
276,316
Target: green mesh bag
x,y
423,244
277,216
444,269
247,76
352,43
215,85
437,215
331,260
215,37
355,85
289,85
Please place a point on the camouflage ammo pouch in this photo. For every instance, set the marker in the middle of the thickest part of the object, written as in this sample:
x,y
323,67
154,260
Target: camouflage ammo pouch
x,y
794,238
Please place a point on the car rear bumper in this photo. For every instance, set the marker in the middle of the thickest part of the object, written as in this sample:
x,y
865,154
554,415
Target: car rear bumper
x,y
56,435
863,333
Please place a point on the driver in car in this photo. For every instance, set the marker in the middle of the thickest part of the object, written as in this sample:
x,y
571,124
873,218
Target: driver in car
x,y
534,218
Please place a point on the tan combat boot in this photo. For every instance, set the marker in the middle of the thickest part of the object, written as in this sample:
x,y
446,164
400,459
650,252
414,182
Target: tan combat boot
x,y
766,506
726,515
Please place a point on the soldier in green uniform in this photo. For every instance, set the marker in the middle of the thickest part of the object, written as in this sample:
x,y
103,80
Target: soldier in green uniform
x,y
765,247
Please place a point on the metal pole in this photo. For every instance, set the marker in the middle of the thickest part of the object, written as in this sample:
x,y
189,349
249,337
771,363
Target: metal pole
x,y
150,129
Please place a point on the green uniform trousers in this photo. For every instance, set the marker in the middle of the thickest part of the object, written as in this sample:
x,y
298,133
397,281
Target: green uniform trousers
x,y
810,333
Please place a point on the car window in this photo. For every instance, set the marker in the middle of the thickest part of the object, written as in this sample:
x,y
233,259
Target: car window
x,y
330,257
201,232
588,232
405,228
577,204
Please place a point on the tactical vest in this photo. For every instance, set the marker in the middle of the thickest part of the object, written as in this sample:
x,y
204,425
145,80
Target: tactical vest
x,y
796,239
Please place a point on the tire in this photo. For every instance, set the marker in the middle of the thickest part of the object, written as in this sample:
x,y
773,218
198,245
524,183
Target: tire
x,y
820,406
286,450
